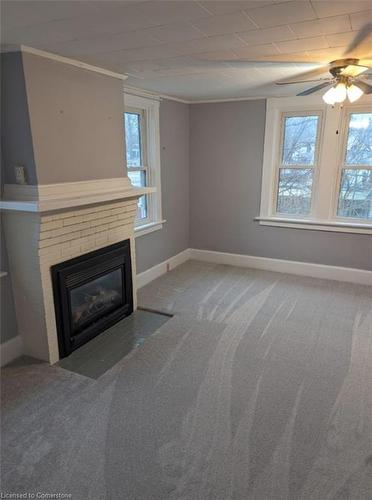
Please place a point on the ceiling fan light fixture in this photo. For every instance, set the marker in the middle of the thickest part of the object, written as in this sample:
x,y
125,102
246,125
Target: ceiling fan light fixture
x,y
340,92
354,92
329,96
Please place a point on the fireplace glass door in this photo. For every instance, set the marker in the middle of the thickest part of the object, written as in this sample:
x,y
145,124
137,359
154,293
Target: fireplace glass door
x,y
94,299
91,293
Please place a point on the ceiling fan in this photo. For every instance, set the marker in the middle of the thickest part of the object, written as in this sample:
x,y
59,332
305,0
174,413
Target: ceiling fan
x,y
346,80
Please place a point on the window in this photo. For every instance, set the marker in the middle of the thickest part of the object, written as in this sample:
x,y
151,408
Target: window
x,y
136,157
298,160
317,170
141,124
355,196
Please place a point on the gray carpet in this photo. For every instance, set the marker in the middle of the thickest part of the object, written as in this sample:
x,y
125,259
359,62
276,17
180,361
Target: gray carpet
x,y
260,387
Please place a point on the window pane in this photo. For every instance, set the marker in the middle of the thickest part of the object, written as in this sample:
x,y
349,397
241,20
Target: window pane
x,y
294,191
138,179
142,207
355,198
359,141
300,133
133,139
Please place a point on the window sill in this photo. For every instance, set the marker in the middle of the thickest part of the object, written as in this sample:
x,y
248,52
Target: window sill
x,y
313,225
148,228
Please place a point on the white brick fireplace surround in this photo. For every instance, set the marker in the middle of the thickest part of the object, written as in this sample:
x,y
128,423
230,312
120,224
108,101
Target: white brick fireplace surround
x,y
46,225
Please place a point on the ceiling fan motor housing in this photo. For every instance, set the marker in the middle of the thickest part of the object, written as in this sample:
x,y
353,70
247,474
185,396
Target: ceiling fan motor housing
x,y
336,67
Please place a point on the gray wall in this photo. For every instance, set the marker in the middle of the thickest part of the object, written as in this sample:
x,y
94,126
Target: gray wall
x,y
16,139
226,150
158,246
8,323
76,119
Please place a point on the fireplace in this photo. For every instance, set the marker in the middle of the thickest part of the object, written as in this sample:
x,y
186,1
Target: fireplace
x,y
91,293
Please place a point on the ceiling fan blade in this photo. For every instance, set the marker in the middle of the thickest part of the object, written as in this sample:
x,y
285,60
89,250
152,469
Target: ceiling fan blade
x,y
360,37
311,75
367,89
303,81
315,89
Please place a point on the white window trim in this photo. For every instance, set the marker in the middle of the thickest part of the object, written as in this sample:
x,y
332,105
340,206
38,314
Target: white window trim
x,y
150,108
327,174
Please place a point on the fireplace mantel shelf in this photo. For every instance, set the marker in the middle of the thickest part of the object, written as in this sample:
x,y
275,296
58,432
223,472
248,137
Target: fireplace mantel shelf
x,y
67,195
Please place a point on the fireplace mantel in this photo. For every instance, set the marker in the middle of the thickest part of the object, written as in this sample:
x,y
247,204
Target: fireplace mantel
x,y
50,197
49,224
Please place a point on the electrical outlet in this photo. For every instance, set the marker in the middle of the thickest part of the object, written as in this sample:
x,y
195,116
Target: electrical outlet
x,y
20,174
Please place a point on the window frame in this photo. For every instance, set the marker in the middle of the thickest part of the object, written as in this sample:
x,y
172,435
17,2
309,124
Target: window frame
x,y
144,161
148,108
331,143
314,167
347,111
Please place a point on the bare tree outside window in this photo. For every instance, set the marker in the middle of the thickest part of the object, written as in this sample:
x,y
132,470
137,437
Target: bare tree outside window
x,y
300,134
133,139
355,197
298,154
135,158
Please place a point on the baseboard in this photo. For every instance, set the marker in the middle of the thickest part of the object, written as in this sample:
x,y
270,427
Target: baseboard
x,y
351,275
160,269
322,271
11,349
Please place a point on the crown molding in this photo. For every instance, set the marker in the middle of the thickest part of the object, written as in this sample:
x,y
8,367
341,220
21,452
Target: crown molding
x,y
228,99
72,62
147,94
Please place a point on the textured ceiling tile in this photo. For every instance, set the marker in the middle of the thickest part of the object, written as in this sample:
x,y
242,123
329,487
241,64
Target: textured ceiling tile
x,y
360,19
162,51
96,24
256,51
318,42
39,36
326,8
184,62
226,7
167,12
176,32
220,42
326,55
337,24
283,13
26,13
107,43
218,55
220,25
276,34
341,39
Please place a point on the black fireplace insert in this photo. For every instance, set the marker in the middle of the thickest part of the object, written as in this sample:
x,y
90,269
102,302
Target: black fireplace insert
x,y
91,293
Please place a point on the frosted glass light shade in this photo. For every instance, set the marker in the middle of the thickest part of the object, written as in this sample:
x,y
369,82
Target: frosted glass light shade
x,y
340,92
336,94
328,97
354,93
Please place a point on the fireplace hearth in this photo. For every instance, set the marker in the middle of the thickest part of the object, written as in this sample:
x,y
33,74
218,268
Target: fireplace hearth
x,y
91,293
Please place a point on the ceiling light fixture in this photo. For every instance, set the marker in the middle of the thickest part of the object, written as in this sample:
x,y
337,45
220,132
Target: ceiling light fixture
x,y
343,88
354,92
